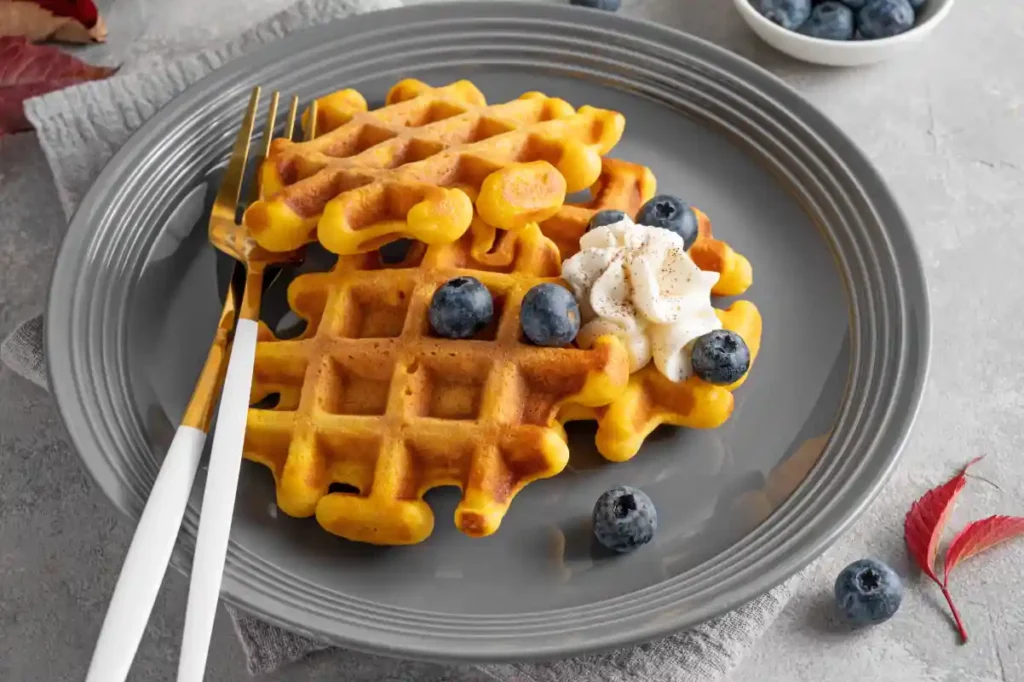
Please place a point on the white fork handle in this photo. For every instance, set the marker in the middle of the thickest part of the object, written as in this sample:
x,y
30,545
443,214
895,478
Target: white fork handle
x,y
218,505
147,558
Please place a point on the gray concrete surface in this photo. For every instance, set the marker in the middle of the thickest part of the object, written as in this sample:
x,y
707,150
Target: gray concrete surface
x,y
945,124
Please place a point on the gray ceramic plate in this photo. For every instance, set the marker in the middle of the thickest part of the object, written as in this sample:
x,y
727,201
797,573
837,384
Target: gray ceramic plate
x,y
815,433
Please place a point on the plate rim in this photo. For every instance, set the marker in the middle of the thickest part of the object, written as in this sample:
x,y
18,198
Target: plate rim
x,y
59,359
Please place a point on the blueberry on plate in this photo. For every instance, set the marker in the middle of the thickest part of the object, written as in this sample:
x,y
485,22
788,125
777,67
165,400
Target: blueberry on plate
x,y
395,252
720,357
624,519
550,315
885,18
605,218
868,592
670,213
786,13
460,308
606,5
830,20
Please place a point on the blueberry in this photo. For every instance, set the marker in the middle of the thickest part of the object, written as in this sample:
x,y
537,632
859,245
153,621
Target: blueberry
x,y
868,592
671,213
605,218
831,21
460,308
854,4
606,5
624,519
395,252
720,357
550,315
786,13
885,18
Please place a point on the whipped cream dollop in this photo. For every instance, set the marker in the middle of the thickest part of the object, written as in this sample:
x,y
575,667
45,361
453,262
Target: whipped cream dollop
x,y
639,284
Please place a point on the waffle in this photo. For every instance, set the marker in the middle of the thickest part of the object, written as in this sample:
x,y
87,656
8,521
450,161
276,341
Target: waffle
x,y
651,399
369,399
621,186
625,186
414,167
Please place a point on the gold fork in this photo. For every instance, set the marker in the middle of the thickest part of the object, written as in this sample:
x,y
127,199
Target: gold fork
x,y
150,551
229,235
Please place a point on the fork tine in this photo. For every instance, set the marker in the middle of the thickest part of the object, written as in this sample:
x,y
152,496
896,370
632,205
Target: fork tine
x,y
268,131
231,186
313,111
293,112
268,136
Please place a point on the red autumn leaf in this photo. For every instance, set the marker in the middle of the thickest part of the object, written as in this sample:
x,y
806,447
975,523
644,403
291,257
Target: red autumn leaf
x,y
923,526
924,523
978,536
74,21
28,70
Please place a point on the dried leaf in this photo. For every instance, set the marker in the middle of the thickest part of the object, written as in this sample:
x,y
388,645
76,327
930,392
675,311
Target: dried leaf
x,y
978,536
64,20
29,20
924,523
28,70
84,11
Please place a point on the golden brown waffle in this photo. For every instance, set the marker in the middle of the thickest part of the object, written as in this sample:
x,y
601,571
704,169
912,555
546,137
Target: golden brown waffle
x,y
712,255
651,399
414,167
369,398
621,186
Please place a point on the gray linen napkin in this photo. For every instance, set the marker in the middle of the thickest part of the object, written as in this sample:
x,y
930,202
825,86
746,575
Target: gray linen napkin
x,y
80,128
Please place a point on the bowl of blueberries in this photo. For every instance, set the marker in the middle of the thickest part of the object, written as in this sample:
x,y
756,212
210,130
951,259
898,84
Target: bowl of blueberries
x,y
843,32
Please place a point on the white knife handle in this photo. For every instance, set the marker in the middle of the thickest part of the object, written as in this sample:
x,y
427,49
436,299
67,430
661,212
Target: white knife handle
x,y
218,505
147,558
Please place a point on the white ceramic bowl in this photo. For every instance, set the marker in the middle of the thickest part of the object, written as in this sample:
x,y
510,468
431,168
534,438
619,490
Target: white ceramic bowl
x,y
839,52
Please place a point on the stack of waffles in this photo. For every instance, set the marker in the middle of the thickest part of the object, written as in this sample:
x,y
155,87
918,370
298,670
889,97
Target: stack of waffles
x,y
368,396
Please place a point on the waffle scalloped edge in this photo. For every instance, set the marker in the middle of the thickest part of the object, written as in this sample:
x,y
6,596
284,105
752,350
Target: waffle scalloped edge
x,y
651,399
